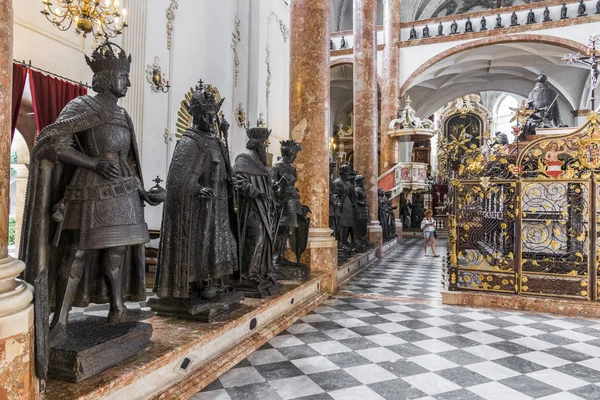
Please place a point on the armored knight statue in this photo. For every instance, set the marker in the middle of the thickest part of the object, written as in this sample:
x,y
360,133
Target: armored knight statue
x,y
333,217
289,211
257,217
382,212
361,216
344,192
198,250
391,217
84,222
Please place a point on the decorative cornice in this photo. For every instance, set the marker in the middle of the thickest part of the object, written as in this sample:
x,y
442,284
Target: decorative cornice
x,y
486,13
500,32
236,38
170,18
350,50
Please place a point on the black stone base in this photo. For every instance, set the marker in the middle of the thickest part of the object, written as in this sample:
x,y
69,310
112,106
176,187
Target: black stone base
x,y
258,290
93,346
292,272
197,309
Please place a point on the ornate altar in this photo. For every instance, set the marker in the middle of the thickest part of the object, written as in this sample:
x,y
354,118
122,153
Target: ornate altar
x,y
526,221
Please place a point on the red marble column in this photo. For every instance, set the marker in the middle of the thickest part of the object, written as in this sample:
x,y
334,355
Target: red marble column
x,y
309,124
17,378
389,83
365,105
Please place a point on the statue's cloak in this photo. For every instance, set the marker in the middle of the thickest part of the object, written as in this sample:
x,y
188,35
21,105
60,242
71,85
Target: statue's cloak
x,y
40,247
253,209
197,242
544,96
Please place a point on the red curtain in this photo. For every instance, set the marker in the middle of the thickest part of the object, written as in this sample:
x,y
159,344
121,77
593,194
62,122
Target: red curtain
x,y
49,96
19,76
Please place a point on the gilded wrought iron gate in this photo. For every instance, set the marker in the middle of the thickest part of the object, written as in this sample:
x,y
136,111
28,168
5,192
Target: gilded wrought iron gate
x,y
526,220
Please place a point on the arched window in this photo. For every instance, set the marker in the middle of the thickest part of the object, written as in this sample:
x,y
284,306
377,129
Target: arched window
x,y
503,114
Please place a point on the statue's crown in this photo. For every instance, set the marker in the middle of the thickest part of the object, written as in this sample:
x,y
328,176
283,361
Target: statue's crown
x,y
204,101
290,145
344,167
258,133
109,57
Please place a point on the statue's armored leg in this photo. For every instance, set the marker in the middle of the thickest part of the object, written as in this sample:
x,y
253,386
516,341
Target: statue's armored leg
x,y
113,261
71,271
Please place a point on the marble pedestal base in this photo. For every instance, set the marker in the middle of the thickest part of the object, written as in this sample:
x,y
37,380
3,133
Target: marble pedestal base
x,y
292,272
375,234
93,346
321,256
572,308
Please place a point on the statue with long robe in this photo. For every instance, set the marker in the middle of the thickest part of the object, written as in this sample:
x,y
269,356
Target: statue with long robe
x,y
257,219
198,250
544,98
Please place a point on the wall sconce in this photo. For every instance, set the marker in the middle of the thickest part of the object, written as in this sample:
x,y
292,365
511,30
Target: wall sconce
x,y
156,77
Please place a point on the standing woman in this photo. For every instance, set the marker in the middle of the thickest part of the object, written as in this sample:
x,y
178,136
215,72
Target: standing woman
x,y
428,227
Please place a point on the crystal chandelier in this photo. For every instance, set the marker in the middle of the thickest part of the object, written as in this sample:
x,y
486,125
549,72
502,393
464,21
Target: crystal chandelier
x,y
102,17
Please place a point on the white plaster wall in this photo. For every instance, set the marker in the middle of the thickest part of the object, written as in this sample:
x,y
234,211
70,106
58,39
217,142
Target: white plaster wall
x,y
202,49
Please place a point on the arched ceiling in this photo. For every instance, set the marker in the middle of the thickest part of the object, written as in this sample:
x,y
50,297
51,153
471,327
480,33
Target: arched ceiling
x,y
507,67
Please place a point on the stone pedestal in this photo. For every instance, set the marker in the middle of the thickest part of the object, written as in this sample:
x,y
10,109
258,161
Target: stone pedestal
x,y
375,233
321,256
309,124
17,377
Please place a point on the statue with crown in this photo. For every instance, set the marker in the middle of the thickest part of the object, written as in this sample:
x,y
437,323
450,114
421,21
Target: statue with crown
x,y
257,219
84,228
198,249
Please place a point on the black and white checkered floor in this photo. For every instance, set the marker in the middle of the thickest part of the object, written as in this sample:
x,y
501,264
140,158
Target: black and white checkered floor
x,y
408,346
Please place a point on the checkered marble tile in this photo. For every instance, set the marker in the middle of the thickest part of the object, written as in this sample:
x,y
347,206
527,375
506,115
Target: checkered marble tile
x,y
405,272
361,348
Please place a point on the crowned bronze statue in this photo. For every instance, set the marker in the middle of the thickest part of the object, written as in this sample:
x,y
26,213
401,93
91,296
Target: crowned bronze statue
x,y
84,229
198,250
257,218
290,214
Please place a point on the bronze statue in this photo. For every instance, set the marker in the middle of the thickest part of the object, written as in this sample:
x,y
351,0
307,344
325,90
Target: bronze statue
x,y
440,31
289,212
83,215
391,217
257,219
198,250
498,22
483,24
514,19
426,31
454,28
343,43
598,7
544,98
547,15
361,216
344,192
468,25
581,9
413,33
530,17
333,217
563,12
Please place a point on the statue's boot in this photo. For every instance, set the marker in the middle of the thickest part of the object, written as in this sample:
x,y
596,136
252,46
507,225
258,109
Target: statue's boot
x,y
114,260
71,271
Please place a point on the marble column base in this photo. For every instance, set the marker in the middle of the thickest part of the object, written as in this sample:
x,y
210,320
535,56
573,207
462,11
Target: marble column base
x,y
17,377
399,229
321,256
375,234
